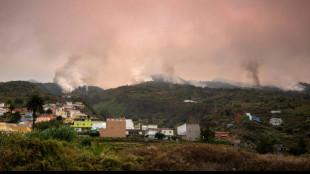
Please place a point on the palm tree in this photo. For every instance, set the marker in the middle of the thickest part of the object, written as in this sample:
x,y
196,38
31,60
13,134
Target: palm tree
x,y
35,104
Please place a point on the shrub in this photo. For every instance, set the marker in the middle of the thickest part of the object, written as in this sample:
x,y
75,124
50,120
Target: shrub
x,y
86,142
63,133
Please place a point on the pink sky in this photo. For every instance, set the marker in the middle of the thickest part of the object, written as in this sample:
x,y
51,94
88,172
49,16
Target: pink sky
x,y
109,43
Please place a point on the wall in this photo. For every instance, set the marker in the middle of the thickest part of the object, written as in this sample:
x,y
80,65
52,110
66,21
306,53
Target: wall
x,y
115,128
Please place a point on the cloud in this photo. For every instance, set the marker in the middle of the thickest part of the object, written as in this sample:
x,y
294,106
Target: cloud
x,y
120,42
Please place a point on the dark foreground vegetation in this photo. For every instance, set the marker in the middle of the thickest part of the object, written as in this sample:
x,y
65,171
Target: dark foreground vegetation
x,y
62,150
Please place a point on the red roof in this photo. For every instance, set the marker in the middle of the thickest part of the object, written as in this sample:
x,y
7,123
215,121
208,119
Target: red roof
x,y
221,134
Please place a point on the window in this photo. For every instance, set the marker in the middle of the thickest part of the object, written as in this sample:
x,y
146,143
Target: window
x,y
169,131
164,131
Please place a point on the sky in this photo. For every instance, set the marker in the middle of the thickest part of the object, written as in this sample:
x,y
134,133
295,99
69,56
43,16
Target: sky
x,y
109,43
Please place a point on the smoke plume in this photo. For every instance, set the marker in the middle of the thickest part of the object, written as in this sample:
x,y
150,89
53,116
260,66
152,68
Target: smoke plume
x,y
252,70
121,42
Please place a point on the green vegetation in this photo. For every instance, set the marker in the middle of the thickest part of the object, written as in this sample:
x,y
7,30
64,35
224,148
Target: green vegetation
x,y
23,153
35,105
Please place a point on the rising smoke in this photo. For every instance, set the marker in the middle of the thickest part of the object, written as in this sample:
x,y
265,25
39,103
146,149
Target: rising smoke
x,y
252,68
120,42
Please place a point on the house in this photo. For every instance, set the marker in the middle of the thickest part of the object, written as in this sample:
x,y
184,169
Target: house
x,y
276,112
22,129
69,103
134,133
168,132
236,118
253,117
280,148
189,132
220,134
74,112
68,120
116,127
189,101
129,124
61,112
145,127
7,127
1,105
82,123
151,132
97,126
27,117
26,123
3,111
44,118
276,121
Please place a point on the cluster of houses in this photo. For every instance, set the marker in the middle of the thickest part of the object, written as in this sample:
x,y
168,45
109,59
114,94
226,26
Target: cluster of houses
x,y
68,111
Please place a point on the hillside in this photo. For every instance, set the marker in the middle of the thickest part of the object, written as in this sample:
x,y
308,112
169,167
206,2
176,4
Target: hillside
x,y
163,104
18,92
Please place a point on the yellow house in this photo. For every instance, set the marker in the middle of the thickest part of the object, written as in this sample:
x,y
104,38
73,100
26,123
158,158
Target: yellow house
x,y
3,127
22,129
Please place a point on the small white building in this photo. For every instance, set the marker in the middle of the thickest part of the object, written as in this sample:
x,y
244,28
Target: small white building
x,y
189,132
69,103
97,126
73,112
276,112
62,113
189,101
150,133
3,111
167,131
1,105
145,127
276,121
129,124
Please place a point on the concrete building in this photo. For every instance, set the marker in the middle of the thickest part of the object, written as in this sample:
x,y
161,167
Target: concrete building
x,y
61,112
3,111
44,118
1,105
97,126
150,126
134,133
276,121
168,132
83,123
129,124
74,112
150,133
116,127
189,132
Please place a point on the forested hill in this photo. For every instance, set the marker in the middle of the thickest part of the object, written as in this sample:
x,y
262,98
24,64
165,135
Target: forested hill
x,y
163,103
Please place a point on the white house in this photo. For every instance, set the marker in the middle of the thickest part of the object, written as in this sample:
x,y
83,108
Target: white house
x,y
167,131
69,103
189,132
62,113
129,124
276,112
189,101
2,111
150,133
73,112
97,126
276,121
1,105
145,127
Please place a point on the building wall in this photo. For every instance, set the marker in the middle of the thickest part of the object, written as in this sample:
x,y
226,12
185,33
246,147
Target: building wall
x,y
115,128
181,130
192,132
129,124
167,132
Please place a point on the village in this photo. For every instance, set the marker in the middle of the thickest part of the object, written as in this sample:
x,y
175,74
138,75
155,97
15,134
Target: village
x,y
70,113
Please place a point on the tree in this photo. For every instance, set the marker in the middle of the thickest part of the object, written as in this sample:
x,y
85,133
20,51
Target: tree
x,y
160,136
35,105
302,146
206,135
14,118
265,145
48,111
59,118
12,107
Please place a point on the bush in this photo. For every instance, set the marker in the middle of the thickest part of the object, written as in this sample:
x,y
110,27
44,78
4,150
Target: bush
x,y
48,124
86,142
63,133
